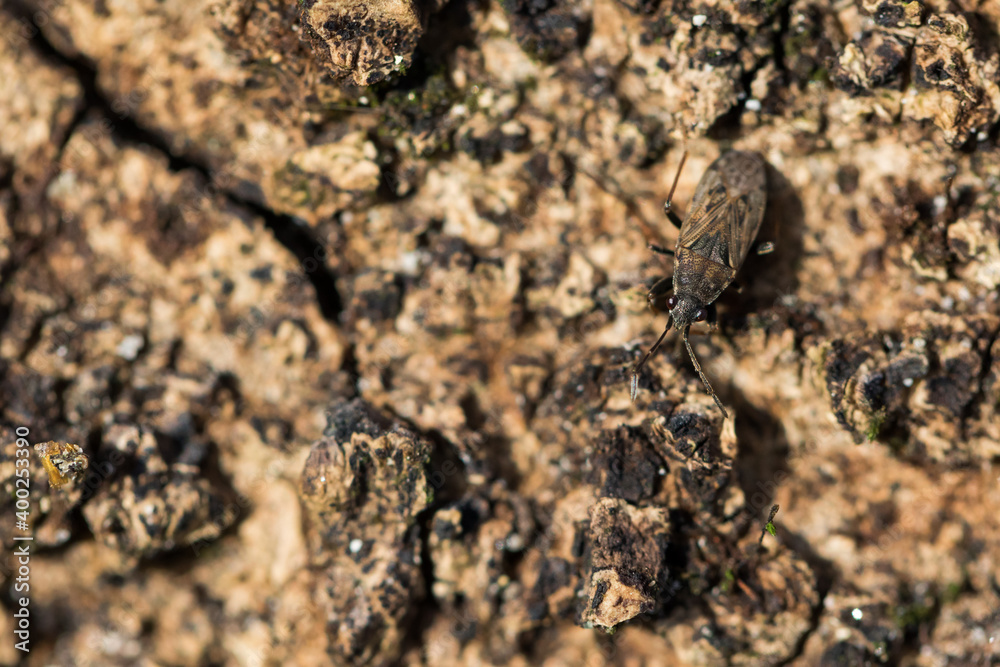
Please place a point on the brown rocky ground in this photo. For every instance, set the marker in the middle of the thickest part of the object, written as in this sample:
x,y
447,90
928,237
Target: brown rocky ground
x,y
340,299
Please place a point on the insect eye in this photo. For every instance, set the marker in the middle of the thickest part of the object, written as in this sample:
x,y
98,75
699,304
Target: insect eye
x,y
671,303
700,315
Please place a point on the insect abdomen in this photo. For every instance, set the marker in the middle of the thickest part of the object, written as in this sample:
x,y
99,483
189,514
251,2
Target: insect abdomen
x,y
700,277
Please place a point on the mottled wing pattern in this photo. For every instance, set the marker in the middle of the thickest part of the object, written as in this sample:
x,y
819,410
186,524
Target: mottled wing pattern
x,y
706,227
747,214
727,209
743,175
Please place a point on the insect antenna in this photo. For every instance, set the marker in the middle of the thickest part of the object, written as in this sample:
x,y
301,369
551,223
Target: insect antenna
x,y
677,177
701,374
610,186
634,385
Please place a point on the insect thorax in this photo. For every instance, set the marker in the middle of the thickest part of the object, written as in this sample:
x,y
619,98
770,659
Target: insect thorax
x,y
698,278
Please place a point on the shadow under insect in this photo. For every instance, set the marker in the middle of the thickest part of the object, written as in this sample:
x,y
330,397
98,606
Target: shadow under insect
x,y
765,279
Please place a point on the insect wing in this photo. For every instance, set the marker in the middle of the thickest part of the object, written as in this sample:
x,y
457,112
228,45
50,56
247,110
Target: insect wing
x,y
706,229
727,210
746,215
743,175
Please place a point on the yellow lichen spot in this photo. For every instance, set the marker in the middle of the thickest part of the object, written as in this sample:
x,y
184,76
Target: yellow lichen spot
x,y
63,461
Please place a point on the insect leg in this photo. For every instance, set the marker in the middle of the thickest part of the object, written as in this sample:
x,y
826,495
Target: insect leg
x,y
712,318
701,374
634,384
667,205
765,248
671,216
660,250
657,292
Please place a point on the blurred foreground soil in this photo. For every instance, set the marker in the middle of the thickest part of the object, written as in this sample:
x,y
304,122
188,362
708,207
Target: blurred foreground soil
x,y
340,300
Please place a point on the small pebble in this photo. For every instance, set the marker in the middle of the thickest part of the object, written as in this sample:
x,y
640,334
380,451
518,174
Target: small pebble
x,y
129,348
698,20
940,202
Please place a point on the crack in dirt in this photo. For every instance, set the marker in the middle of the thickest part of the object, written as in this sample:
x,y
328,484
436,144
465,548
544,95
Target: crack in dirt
x,y
979,397
287,230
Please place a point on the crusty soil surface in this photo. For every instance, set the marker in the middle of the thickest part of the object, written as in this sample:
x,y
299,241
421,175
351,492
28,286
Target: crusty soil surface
x,y
339,299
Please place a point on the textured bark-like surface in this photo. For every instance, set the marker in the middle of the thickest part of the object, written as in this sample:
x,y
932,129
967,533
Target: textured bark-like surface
x,y
364,39
340,301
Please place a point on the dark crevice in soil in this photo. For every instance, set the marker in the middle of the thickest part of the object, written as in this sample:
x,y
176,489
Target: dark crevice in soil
x,y
300,241
123,126
980,396
21,248
762,466
6,175
447,30
350,367
546,387
762,457
918,623
386,192
784,21
825,575
727,127
448,488
35,335
78,119
288,231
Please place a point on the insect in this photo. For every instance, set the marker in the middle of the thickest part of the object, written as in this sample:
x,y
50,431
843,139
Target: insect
x,y
63,461
715,238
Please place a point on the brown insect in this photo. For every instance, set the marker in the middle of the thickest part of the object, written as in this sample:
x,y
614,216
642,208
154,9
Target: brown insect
x,y
715,238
